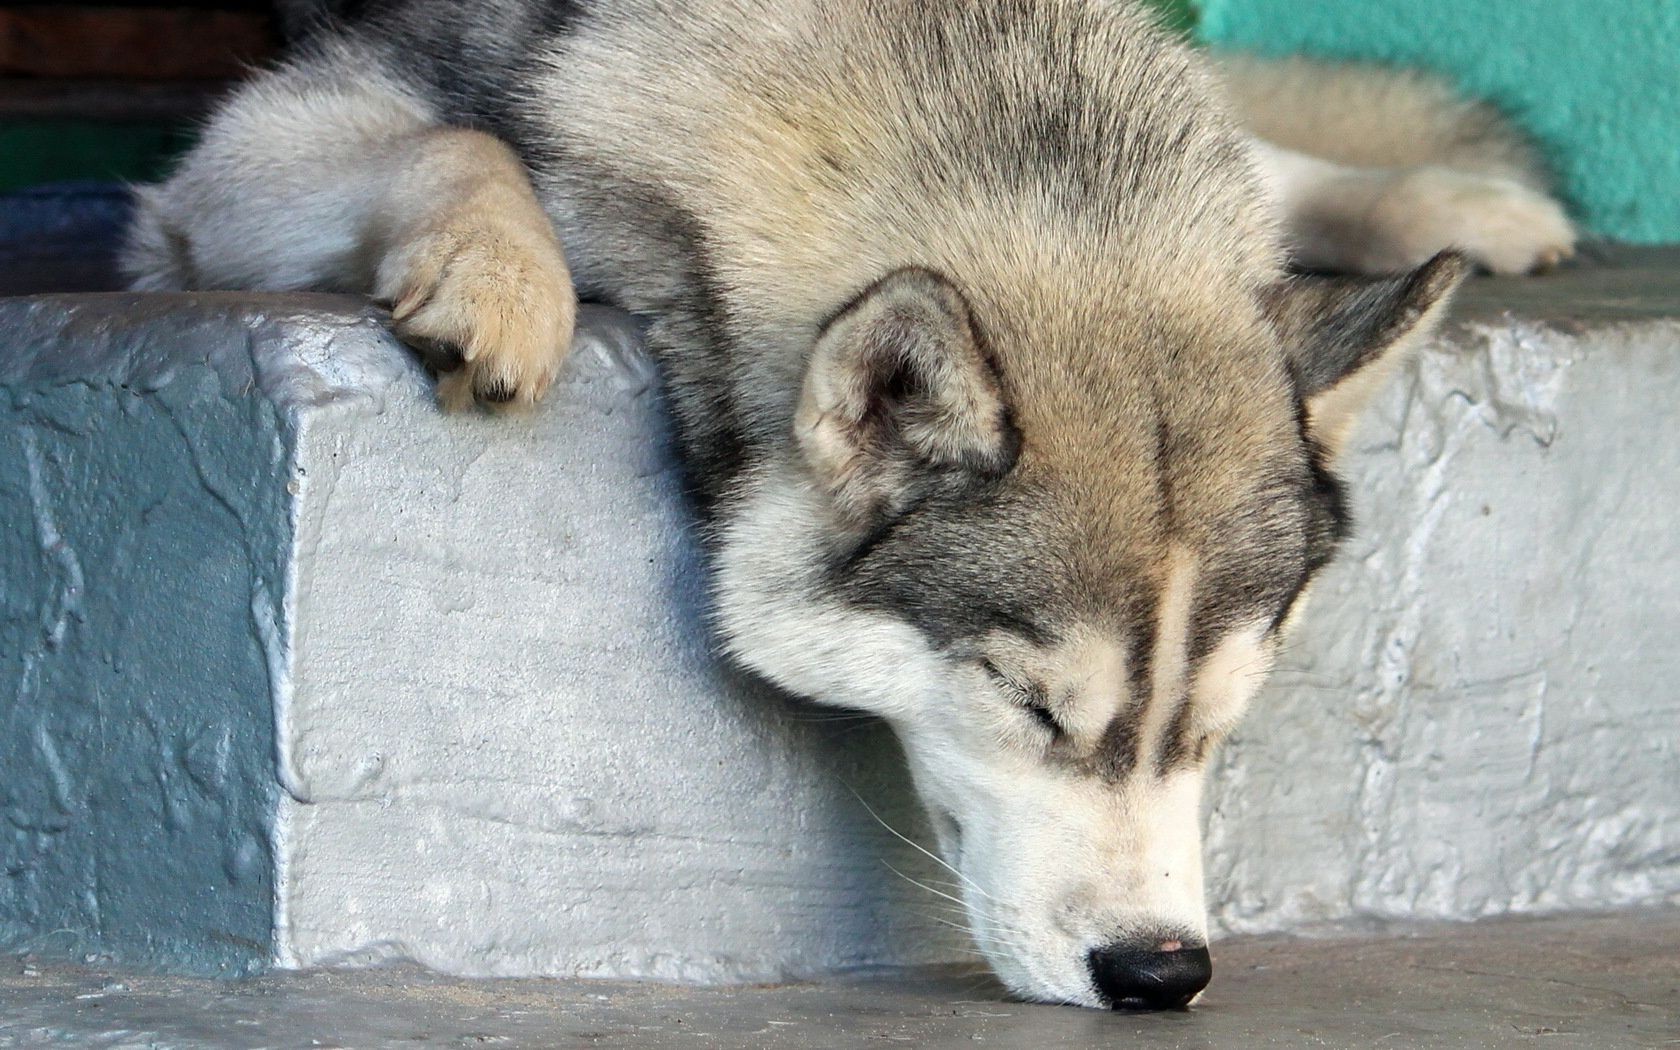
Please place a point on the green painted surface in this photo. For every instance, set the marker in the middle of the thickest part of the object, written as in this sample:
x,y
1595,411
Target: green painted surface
x,y
37,151
1597,81
1180,14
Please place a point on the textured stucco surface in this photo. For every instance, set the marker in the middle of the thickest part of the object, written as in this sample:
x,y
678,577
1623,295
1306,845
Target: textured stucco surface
x,y
143,538
1480,715
509,748
503,747
1593,81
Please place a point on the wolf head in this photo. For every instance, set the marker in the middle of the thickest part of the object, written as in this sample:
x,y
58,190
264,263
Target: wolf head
x,y
1061,573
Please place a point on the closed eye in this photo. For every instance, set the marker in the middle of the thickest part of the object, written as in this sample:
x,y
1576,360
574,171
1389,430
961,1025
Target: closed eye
x,y
1029,698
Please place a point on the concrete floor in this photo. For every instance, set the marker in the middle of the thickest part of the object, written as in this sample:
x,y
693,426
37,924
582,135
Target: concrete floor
x,y
1555,983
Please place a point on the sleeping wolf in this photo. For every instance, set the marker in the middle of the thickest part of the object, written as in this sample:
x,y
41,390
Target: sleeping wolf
x,y
1006,414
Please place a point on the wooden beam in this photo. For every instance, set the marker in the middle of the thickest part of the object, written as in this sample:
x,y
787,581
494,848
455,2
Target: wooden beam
x,y
137,43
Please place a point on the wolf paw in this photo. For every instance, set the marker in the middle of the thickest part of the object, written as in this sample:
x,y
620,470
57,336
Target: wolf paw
x,y
491,309
1502,225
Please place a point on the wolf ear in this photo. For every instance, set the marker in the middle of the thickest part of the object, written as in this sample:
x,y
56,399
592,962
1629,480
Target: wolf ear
x,y
898,387
1345,335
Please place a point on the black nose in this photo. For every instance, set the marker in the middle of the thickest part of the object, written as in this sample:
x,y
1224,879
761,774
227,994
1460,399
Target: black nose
x,y
1131,977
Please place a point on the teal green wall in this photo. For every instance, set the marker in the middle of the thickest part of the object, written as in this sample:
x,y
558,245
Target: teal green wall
x,y
1180,14
1597,81
37,151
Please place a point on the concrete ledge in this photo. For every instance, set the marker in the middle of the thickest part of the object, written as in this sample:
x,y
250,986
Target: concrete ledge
x,y
295,670
447,674
1479,717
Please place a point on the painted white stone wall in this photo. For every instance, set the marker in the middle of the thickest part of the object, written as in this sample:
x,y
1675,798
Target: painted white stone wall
x,y
504,747
508,748
1482,713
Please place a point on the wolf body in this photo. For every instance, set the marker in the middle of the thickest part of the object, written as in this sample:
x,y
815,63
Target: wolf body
x,y
1005,415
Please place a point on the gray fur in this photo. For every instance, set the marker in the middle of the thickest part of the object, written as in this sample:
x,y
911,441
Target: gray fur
x,y
1005,417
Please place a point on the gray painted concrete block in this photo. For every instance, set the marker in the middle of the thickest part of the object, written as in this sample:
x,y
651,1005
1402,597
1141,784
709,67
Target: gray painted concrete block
x,y
144,531
393,684
297,670
1482,712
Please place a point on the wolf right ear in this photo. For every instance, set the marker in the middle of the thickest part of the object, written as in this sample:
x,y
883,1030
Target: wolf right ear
x,y
899,385
1345,335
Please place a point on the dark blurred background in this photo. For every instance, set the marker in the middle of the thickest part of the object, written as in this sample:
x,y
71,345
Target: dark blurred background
x,y
93,96
111,90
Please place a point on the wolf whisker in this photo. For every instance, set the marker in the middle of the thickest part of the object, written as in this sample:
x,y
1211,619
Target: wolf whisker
x,y
922,885
920,848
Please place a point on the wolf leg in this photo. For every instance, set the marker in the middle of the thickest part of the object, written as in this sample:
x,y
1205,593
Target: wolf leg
x,y
1390,220
329,176
1379,169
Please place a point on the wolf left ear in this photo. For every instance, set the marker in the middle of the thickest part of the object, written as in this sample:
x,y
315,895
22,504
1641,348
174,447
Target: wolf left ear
x,y
899,387
1345,335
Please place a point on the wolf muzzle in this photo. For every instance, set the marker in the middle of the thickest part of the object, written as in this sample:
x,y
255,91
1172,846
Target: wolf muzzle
x,y
1136,978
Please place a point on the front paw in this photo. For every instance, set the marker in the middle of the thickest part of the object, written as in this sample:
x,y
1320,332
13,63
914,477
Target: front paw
x,y
491,308
1502,225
